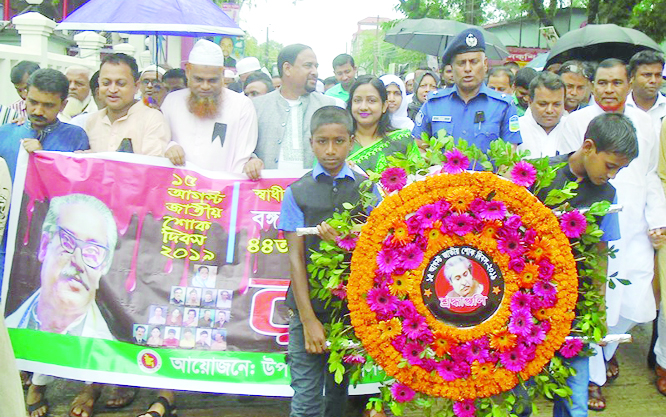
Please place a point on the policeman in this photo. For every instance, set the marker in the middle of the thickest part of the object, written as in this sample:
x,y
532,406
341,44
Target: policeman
x,y
469,110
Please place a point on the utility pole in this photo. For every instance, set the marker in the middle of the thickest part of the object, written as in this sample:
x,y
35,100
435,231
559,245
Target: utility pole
x,y
266,59
374,66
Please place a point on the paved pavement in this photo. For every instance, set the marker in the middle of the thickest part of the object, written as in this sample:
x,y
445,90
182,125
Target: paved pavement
x,y
632,394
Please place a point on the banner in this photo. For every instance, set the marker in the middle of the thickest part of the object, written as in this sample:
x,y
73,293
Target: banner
x,y
124,268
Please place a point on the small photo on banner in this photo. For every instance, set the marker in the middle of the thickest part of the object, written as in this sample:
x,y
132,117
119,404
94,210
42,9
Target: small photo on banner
x,y
174,316
187,341
219,340
157,314
177,296
203,339
193,297
222,317
140,334
203,276
224,299
209,297
156,336
206,318
191,317
172,338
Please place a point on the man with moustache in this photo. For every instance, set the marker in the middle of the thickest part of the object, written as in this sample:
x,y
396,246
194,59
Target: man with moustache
x,y
285,114
80,99
151,85
645,75
642,219
125,124
345,74
212,127
78,240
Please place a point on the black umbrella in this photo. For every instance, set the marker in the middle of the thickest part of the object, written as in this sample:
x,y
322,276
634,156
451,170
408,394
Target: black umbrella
x,y
432,36
598,42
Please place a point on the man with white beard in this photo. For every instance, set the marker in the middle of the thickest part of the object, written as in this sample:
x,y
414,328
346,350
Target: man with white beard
x,y
212,127
642,219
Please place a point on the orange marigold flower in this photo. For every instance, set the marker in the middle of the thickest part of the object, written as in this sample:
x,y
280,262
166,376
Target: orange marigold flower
x,y
460,198
539,249
400,233
502,340
442,344
389,329
530,275
489,229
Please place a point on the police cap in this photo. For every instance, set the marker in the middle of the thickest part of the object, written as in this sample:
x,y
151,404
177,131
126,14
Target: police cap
x,y
469,40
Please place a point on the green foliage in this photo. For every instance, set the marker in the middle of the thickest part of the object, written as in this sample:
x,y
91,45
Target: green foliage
x,y
370,45
253,48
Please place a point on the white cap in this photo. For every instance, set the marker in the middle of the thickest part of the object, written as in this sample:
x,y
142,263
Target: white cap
x,y
229,74
248,64
206,53
154,68
409,76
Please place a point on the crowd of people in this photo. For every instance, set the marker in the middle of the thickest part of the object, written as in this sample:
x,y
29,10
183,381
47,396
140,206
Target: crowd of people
x,y
603,119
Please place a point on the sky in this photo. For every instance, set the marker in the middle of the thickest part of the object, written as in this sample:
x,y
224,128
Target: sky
x,y
324,25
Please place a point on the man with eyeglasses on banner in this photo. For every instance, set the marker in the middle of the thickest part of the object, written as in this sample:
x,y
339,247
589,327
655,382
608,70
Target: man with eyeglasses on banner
x,y
79,236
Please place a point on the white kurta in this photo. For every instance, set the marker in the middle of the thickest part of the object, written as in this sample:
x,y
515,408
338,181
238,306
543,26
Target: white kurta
x,y
196,135
656,112
640,193
535,138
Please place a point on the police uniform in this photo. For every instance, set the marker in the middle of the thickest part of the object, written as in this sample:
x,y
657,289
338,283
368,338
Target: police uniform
x,y
484,118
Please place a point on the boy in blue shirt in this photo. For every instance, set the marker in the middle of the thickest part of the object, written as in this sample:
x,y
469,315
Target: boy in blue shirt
x,y
308,202
610,144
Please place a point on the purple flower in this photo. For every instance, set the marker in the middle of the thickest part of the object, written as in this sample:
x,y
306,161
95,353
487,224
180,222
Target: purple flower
x,y
460,224
521,301
514,359
464,408
348,242
429,365
573,224
546,269
494,210
414,327
456,162
546,292
463,370
412,352
393,179
458,353
414,226
571,347
406,309
521,323
387,261
477,350
523,173
399,342
517,264
411,256
354,359
381,301
427,215
513,222
510,244
402,393
447,370
477,206
530,236
340,291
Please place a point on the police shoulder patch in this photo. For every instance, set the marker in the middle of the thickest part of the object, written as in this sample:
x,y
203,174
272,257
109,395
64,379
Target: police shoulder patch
x,y
514,124
419,118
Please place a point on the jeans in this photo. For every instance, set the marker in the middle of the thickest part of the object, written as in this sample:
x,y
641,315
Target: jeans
x,y
578,384
315,392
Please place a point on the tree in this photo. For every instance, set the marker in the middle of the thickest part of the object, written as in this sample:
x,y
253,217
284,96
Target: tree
x,y
370,45
257,50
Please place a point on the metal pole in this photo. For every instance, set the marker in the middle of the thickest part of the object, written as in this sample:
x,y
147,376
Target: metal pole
x,y
6,11
65,7
374,66
266,60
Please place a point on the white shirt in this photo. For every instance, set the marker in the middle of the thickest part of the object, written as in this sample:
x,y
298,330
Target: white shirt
x,y
195,134
641,196
656,112
535,138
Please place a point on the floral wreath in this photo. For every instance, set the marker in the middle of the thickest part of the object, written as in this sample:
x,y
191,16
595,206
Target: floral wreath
x,y
461,348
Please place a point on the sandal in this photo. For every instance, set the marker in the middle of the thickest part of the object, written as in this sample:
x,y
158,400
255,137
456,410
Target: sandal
x,y
41,403
596,401
612,369
26,379
121,396
169,410
85,401
661,380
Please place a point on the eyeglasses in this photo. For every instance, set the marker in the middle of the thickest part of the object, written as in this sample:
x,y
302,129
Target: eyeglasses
x,y
93,254
155,83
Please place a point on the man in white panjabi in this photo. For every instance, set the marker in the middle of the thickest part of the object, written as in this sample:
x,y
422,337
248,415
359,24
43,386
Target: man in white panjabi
x,y
642,219
541,125
211,126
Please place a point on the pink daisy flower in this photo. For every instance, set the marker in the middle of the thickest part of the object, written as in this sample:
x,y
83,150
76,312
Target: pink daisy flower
x,y
381,301
536,335
521,301
546,269
464,408
513,222
348,242
521,323
510,244
402,393
573,224
494,210
456,162
414,226
407,309
427,215
546,291
530,236
447,370
414,327
393,179
460,224
429,365
523,173
477,350
412,352
411,256
399,342
514,359
477,206
463,370
571,347
387,261
340,291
